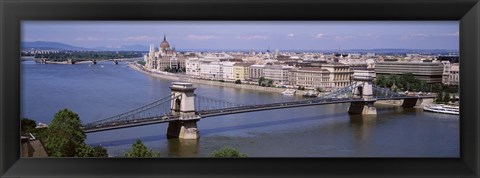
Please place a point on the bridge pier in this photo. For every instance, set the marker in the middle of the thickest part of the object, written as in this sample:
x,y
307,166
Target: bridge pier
x,y
412,102
183,129
183,105
362,107
365,91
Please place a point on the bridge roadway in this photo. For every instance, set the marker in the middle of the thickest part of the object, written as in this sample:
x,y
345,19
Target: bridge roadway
x,y
233,110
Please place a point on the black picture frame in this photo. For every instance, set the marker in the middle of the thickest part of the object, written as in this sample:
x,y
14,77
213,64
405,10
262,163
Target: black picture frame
x,y
14,11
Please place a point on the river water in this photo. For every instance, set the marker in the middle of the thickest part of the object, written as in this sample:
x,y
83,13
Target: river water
x,y
99,91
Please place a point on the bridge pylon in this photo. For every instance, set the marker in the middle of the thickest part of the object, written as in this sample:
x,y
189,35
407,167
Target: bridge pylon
x,y
183,105
365,91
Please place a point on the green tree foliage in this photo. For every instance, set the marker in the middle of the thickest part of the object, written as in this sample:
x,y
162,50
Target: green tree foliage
x,y
227,152
88,55
139,150
64,134
446,97
381,81
439,97
141,63
265,82
88,151
27,125
409,82
261,81
174,70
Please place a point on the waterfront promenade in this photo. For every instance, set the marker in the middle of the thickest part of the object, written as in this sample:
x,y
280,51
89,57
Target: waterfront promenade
x,y
186,78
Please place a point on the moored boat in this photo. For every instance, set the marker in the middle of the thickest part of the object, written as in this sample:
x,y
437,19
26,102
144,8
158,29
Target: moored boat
x,y
441,108
289,92
310,93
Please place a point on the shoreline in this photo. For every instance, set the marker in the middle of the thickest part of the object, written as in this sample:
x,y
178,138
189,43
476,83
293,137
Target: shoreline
x,y
183,78
39,60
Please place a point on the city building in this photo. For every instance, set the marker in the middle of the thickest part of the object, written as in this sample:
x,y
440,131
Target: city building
x,y
164,57
312,78
192,66
241,71
340,74
211,70
227,70
256,72
278,73
430,72
451,75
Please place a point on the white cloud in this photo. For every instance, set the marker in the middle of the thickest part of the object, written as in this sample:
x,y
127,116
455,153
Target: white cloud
x,y
87,39
252,37
319,35
290,35
200,37
419,35
414,36
451,34
139,38
113,46
365,35
343,37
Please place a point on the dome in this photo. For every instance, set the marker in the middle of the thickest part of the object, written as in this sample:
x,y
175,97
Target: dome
x,y
164,44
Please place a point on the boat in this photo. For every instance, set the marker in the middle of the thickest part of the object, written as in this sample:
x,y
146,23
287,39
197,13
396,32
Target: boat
x,y
441,108
310,94
289,92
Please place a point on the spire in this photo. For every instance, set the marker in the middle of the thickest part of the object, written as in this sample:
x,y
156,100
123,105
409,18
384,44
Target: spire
x,y
164,38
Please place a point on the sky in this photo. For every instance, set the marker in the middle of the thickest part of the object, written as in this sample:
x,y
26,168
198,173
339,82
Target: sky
x,y
245,35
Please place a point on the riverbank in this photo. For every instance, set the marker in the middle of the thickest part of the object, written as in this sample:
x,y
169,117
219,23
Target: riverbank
x,y
69,62
185,78
400,102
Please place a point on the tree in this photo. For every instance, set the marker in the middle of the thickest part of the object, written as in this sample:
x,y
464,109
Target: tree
x,y
381,81
261,81
141,63
167,69
64,135
439,97
139,150
269,82
446,97
88,151
27,125
227,152
238,82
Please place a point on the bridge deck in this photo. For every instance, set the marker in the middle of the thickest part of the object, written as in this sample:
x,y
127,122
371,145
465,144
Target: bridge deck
x,y
233,110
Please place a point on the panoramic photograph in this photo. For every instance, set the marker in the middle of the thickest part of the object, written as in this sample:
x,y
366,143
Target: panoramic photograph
x,y
240,89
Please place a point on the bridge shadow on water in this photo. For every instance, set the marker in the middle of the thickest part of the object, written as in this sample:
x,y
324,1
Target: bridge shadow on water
x,y
204,132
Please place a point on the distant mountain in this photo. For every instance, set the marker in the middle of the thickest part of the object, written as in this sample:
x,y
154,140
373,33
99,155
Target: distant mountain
x,y
123,48
45,45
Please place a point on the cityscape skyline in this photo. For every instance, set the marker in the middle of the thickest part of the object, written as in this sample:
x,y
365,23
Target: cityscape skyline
x,y
243,35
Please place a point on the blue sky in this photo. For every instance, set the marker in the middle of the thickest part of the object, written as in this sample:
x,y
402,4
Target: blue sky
x,y
259,35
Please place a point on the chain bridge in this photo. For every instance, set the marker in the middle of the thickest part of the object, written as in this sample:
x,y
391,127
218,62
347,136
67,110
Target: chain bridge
x,y
183,108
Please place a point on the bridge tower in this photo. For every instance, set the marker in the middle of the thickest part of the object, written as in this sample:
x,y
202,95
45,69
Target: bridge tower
x,y
183,105
365,91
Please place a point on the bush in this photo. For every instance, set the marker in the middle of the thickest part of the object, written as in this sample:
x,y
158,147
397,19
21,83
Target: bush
x,y
141,63
139,150
227,152
27,125
238,82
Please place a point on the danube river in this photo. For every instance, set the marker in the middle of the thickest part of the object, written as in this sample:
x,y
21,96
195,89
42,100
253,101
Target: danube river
x,y
99,91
